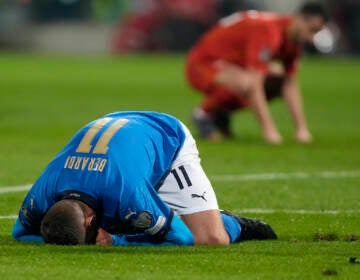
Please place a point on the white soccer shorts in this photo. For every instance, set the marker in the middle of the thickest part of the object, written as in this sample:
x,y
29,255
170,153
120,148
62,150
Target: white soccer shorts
x,y
187,189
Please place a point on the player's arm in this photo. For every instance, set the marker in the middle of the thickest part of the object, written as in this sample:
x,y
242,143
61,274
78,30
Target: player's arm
x,y
249,79
27,225
149,216
177,234
259,52
20,233
260,107
249,82
293,98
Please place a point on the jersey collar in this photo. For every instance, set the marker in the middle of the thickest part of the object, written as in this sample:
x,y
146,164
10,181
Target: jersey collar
x,y
83,197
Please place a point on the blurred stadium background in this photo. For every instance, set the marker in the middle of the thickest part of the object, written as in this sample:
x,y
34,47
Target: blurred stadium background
x,y
100,26
309,193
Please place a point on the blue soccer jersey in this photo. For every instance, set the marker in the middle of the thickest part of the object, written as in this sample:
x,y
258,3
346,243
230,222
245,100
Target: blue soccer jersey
x,y
114,164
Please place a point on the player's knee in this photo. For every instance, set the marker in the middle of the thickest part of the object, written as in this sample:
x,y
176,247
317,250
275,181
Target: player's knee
x,y
253,83
245,83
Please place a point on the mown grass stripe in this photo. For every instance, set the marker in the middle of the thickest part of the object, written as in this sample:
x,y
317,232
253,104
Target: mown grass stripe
x,y
245,177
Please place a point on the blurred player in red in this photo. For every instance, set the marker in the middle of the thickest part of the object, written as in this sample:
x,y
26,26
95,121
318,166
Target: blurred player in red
x,y
233,65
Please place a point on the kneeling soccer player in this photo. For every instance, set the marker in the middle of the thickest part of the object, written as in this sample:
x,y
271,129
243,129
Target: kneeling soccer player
x,y
130,178
232,66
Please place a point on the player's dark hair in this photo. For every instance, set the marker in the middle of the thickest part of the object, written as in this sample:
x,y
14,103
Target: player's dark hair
x,y
64,224
314,9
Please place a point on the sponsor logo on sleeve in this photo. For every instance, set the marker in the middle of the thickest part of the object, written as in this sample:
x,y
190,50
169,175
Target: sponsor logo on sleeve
x,y
157,227
142,221
265,55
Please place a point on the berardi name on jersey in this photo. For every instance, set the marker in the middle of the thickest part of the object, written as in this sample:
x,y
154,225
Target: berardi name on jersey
x,y
85,163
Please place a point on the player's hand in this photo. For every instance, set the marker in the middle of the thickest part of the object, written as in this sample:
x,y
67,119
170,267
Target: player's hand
x,y
272,137
303,136
104,238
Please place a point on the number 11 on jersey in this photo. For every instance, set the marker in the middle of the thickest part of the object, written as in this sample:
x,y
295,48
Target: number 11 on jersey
x,y
101,147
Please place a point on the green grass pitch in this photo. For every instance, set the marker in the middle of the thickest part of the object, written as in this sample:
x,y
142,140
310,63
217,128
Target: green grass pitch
x,y
310,194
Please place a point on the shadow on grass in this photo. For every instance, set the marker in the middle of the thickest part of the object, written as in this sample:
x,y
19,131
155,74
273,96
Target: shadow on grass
x,y
320,236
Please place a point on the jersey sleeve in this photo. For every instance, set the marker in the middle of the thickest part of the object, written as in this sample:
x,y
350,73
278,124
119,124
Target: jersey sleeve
x,y
151,221
32,210
177,234
21,233
142,208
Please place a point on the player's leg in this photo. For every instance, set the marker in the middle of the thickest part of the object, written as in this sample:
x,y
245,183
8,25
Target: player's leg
x,y
188,191
200,73
251,229
230,94
214,114
249,83
233,77
224,86
238,81
207,228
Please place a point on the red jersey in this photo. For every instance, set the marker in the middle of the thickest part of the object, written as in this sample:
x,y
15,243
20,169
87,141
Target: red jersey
x,y
250,39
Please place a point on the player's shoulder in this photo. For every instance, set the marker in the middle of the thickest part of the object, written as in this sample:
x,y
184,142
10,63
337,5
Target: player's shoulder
x,y
254,19
144,117
267,21
271,26
139,115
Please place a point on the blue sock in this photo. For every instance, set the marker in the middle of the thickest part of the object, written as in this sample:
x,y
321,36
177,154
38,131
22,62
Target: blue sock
x,y
232,227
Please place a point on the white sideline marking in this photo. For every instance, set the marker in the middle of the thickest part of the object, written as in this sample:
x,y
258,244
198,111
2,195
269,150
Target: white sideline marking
x,y
286,176
264,211
245,177
15,188
294,211
9,217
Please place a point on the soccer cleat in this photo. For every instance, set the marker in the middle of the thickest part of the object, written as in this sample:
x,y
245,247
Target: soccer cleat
x,y
222,122
205,125
253,229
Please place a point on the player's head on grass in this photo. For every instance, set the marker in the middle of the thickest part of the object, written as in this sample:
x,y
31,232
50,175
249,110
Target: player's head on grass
x,y
69,222
310,19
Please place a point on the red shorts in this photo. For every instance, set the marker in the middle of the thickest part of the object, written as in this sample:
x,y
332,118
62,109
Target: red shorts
x,y
201,72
